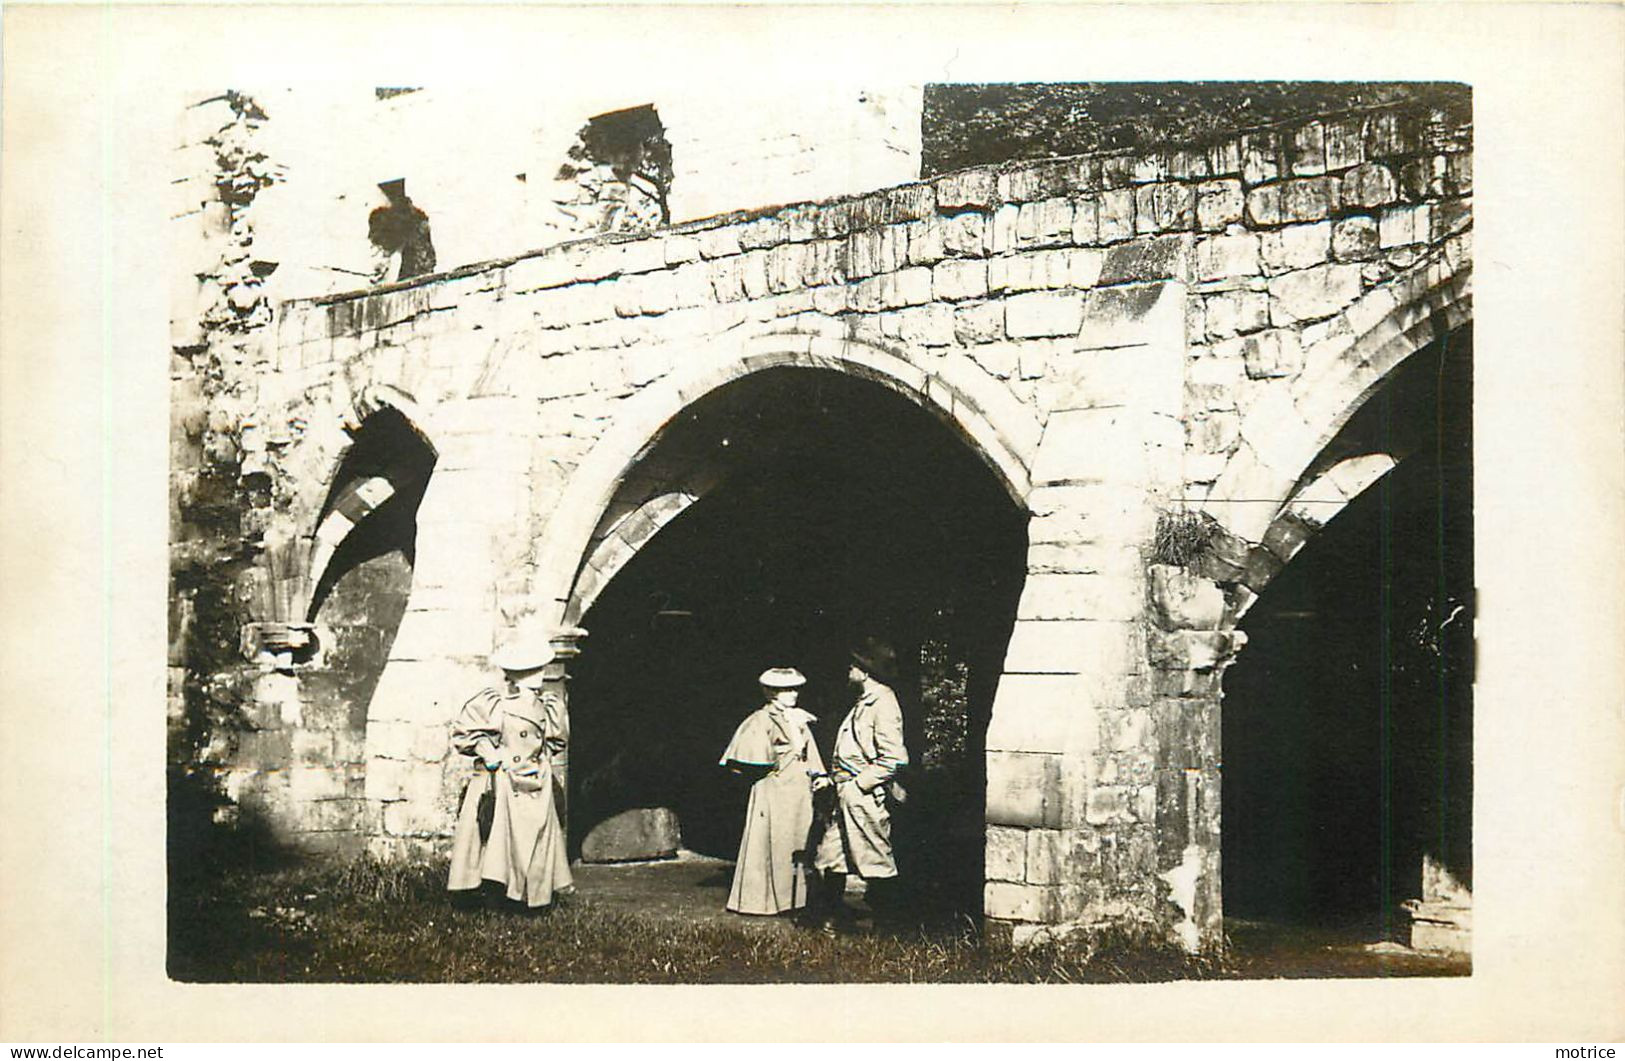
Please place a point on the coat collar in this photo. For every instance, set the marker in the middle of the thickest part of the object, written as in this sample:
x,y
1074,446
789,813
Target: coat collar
x,y
525,704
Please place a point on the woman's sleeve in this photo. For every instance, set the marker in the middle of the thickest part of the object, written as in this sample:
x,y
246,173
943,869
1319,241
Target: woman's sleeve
x,y
815,762
558,723
476,722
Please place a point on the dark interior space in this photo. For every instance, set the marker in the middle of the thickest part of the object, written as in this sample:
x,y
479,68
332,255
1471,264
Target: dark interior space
x,y
1348,716
842,510
385,446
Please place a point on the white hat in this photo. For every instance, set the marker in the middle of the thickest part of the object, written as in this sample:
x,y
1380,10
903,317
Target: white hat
x,y
523,651
782,678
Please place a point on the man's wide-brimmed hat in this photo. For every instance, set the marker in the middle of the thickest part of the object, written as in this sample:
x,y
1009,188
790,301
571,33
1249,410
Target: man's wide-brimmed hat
x,y
526,650
876,657
782,678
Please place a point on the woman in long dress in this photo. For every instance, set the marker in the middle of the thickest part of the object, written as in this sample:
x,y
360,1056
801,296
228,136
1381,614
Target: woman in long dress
x,y
510,735
775,742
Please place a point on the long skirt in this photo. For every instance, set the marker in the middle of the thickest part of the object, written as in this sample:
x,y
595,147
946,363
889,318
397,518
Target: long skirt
x,y
526,850
770,874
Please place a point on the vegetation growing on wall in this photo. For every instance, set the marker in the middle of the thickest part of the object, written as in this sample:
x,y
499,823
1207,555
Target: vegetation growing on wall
x,y
976,125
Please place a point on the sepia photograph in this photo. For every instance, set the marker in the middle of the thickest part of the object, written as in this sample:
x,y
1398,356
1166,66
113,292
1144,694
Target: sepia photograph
x,y
623,538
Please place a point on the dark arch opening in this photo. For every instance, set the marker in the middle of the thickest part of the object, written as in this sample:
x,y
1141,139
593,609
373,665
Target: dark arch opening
x,y
1347,723
385,446
839,508
361,594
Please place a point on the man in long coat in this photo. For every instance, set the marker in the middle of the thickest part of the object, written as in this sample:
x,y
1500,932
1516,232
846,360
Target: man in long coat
x,y
868,752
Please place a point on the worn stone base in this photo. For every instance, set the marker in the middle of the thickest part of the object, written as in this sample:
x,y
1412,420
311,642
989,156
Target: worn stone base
x,y
634,836
1441,937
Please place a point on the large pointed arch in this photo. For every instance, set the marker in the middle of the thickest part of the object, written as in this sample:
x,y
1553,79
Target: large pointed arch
x,y
998,429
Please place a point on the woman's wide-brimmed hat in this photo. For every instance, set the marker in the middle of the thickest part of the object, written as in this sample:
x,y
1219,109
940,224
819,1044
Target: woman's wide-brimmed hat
x,y
876,657
524,651
782,678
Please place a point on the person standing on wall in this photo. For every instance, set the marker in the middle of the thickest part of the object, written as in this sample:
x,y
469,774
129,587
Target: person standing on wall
x,y
508,830
868,753
775,745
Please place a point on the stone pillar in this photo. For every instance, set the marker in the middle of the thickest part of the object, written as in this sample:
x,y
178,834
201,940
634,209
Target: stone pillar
x,y
1078,832
1191,641
441,653
566,642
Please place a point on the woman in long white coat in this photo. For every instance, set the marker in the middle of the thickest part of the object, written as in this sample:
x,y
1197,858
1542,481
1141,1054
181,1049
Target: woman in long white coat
x,y
510,735
776,743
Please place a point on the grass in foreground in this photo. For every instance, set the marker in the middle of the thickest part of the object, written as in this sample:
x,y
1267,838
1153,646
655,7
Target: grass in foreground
x,y
371,922
394,923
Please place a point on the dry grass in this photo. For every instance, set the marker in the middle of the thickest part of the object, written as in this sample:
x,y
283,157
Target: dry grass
x,y
371,922
394,922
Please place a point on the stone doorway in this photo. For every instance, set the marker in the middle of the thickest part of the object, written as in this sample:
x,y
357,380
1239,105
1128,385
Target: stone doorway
x,y
1347,728
813,507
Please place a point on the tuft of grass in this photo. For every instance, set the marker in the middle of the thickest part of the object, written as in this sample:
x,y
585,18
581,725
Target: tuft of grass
x,y
371,880
1182,538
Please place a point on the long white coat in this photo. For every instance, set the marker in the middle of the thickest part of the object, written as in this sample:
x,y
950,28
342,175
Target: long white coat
x,y
767,877
525,852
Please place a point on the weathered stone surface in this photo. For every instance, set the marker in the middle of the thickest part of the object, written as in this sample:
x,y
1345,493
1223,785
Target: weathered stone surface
x,y
633,836
1006,854
1024,789
1019,902
1181,600
1115,215
1102,649
1296,247
1042,314
1219,203
1372,184
1192,649
1115,376
1086,222
1308,150
979,323
1264,205
1310,198
1224,256
1355,239
1235,313
1310,294
1002,230
1159,258
1134,314
1080,596
1260,155
1404,225
930,325
1044,224
966,235
1345,143
925,242
970,190
1164,207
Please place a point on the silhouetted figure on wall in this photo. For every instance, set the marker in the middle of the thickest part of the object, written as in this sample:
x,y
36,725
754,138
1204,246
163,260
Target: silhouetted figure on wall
x,y
400,228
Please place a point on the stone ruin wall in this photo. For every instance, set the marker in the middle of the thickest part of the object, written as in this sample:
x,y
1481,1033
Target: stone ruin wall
x,y
1145,339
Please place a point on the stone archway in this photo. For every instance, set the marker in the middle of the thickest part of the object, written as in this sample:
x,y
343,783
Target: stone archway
x,y
1349,713
784,434
1003,434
